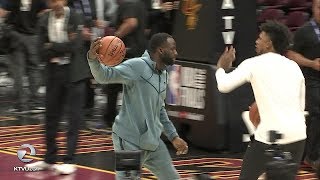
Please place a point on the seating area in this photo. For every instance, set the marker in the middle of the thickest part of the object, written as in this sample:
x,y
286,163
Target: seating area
x,y
293,13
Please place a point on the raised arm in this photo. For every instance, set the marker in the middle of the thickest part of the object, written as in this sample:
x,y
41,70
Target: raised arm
x,y
123,73
227,82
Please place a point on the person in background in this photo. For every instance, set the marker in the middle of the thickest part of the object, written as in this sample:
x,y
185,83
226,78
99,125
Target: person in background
x,y
279,89
305,52
3,12
106,13
161,16
87,9
24,58
106,16
129,26
61,46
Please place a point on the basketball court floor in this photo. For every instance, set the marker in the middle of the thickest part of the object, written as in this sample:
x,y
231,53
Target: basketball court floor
x,y
95,156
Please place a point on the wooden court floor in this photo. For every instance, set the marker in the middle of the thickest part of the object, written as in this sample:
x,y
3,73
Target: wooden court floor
x,y
95,158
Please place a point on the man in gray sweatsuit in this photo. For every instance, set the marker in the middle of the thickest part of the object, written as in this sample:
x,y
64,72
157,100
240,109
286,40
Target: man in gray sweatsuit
x,y
143,117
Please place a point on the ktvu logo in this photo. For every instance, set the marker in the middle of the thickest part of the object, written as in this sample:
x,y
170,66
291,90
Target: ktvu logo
x,y
21,154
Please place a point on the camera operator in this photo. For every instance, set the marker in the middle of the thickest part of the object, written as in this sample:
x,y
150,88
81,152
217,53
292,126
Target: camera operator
x,y
279,89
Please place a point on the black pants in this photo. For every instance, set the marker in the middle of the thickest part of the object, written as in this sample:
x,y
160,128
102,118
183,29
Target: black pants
x,y
89,100
112,91
61,92
313,120
255,159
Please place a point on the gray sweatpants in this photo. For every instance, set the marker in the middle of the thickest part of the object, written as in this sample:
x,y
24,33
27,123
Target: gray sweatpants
x,y
159,162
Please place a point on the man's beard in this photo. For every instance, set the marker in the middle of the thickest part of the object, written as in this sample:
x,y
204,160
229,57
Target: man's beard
x,y
166,59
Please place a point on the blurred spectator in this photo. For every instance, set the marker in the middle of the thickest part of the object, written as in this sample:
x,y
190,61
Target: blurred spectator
x,y
130,25
2,5
97,15
62,48
5,80
106,14
305,52
87,8
23,16
161,16
3,28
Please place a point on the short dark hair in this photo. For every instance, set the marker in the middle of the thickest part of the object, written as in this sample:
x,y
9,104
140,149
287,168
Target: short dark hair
x,y
157,40
279,34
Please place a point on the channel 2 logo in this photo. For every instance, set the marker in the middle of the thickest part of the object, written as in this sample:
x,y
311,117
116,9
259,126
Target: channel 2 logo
x,y
21,153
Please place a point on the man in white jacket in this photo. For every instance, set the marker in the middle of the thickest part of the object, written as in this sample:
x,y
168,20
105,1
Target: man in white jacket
x,y
279,89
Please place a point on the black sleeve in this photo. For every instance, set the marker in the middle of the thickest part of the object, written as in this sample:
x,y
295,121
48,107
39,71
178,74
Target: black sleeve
x,y
129,10
299,41
11,6
2,3
42,5
8,5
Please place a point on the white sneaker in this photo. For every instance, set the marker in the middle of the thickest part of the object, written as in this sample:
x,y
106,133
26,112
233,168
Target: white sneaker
x,y
65,169
40,165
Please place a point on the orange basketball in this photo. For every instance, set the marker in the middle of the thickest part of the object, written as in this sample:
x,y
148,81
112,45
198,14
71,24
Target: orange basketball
x,y
112,51
254,114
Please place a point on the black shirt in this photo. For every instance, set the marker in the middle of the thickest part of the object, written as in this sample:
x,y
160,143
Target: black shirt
x,y
135,41
306,42
23,17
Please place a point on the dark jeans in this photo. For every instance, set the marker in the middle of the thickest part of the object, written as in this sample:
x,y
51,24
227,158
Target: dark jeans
x,y
313,120
255,159
61,92
89,100
24,60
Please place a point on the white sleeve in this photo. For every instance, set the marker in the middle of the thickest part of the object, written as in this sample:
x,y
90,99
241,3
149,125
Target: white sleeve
x,y
227,82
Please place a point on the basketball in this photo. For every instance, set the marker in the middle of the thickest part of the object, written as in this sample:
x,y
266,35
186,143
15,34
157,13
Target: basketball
x,y
112,51
254,114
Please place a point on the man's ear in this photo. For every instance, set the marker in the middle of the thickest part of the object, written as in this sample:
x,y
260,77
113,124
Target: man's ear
x,y
160,50
270,45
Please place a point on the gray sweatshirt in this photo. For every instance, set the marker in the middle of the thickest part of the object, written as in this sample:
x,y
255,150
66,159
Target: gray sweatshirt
x,y
142,117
